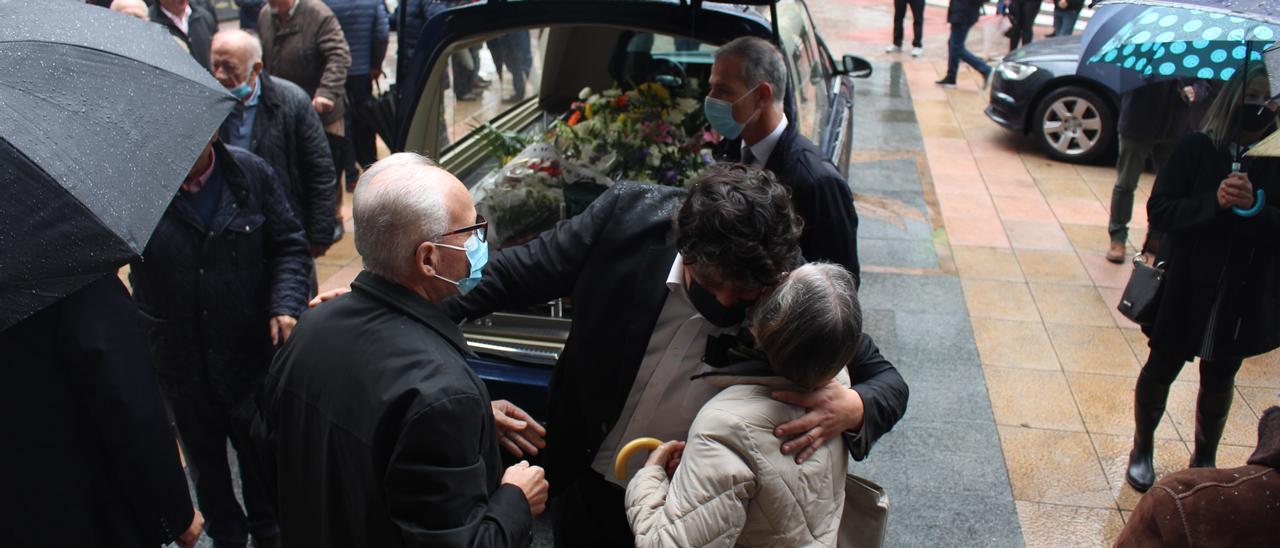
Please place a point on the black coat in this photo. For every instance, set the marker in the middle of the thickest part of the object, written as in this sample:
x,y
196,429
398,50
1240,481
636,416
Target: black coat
x,y
89,456
206,294
964,12
201,26
287,133
1210,251
819,195
613,260
383,434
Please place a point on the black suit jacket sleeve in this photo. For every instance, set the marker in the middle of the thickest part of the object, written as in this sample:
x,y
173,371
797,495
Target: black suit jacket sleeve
x,y
831,232
436,482
315,167
884,396
111,368
540,270
288,255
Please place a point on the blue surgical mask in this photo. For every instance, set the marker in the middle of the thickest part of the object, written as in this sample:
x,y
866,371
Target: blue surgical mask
x,y
720,115
242,91
478,255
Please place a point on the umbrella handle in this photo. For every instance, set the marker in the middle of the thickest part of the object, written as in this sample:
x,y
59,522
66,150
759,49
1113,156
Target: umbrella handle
x,y
1260,200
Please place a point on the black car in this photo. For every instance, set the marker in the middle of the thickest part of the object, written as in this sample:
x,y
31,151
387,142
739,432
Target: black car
x,y
1036,91
566,49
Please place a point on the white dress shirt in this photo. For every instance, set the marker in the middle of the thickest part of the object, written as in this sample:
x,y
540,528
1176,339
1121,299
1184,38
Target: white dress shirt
x,y
663,400
180,20
760,151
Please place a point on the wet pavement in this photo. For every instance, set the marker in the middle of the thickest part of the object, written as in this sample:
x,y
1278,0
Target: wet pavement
x,y
985,283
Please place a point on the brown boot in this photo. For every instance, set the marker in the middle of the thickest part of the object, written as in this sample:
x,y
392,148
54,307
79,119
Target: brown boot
x,y
1116,253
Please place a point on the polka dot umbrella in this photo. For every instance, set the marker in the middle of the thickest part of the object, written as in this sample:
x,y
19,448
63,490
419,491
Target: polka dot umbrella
x,y
1138,42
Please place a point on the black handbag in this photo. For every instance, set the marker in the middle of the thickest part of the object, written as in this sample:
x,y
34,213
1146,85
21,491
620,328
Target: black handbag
x,y
1142,293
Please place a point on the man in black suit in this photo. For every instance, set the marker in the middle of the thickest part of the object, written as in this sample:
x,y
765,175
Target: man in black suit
x,y
650,295
190,22
745,105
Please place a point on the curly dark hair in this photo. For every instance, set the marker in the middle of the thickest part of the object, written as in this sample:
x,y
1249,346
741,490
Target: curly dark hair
x,y
738,220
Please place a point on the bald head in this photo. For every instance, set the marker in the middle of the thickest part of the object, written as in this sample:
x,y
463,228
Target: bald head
x,y
401,202
235,57
136,8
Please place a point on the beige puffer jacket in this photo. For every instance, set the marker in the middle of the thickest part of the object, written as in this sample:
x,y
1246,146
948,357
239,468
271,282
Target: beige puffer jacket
x,y
734,487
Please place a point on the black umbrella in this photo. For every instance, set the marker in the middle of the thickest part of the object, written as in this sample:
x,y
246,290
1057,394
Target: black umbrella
x,y
379,113
101,116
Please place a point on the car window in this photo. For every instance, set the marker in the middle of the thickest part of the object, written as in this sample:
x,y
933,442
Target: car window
x,y
807,66
601,104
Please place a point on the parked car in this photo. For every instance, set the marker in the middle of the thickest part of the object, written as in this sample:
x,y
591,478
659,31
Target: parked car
x,y
577,44
1035,91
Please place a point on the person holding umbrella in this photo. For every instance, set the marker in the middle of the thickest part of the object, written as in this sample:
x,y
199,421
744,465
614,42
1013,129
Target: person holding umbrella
x,y
1218,295
221,283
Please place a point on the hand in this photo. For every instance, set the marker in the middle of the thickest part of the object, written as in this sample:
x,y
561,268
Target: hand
x,y
667,456
281,328
1062,4
328,296
321,104
318,251
1189,94
192,534
1236,190
375,73
833,409
532,481
518,433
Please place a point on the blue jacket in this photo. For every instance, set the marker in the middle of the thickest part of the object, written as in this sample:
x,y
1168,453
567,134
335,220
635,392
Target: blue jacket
x,y
364,23
206,294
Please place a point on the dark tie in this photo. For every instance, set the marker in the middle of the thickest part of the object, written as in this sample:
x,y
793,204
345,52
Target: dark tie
x,y
747,157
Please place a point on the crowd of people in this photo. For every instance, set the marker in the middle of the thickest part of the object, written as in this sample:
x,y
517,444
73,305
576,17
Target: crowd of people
x,y
722,319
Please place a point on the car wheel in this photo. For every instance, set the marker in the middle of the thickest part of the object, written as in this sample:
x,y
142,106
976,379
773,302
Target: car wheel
x,y
1075,125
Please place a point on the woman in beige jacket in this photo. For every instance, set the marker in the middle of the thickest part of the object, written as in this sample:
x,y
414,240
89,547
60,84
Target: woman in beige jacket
x,y
732,485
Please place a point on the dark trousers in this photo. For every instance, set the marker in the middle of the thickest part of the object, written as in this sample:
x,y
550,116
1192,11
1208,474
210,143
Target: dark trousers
x,y
917,21
591,513
359,90
1131,161
956,52
1215,375
1064,21
204,428
1023,13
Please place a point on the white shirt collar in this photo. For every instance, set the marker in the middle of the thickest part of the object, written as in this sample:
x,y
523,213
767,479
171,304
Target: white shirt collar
x,y
292,9
182,21
675,278
764,148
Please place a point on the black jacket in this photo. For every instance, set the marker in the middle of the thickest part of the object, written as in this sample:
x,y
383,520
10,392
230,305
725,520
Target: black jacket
x,y
206,294
1157,111
89,458
287,133
613,260
1214,255
201,27
383,434
819,194
964,12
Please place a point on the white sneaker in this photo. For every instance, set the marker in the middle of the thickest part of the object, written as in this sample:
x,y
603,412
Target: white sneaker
x,y
915,52
893,49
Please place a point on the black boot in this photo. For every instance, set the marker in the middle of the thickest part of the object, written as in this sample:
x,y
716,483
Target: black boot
x,y
1211,418
1149,399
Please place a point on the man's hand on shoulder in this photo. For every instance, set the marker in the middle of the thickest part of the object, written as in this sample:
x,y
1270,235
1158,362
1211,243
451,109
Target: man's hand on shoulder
x,y
518,433
832,410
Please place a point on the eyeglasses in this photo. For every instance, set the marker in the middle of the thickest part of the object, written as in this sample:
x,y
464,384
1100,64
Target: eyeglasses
x,y
481,228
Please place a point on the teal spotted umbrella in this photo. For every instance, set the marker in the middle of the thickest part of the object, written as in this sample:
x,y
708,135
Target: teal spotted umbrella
x,y
1136,43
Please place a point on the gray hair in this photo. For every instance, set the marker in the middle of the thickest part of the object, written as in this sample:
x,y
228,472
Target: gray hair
x,y
396,207
810,326
761,62
252,45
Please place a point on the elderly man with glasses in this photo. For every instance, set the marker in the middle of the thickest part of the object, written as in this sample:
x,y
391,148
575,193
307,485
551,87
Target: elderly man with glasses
x,y
384,436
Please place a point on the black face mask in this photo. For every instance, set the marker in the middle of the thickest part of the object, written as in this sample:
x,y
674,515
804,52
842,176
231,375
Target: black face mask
x,y
1255,117
711,309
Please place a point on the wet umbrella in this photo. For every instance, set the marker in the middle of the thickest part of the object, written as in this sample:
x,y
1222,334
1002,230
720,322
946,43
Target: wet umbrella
x,y
1138,42
101,116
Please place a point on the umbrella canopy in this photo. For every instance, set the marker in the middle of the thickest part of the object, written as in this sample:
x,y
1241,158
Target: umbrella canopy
x,y
1139,42
101,117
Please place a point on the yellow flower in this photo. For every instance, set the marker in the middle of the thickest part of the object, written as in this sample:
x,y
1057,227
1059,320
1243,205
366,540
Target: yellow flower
x,y
656,90
588,110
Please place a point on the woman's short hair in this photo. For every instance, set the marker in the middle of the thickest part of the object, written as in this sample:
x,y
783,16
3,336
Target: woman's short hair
x,y
810,326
